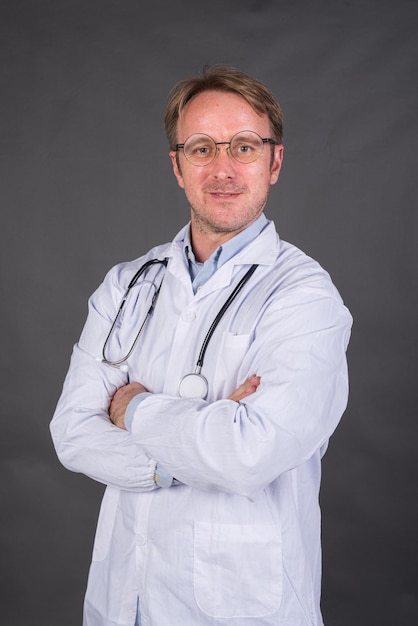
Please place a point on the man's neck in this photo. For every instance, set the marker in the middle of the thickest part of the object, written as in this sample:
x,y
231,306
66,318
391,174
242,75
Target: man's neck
x,y
204,245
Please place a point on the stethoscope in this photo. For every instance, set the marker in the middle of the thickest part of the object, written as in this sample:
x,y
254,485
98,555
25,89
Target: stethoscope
x,y
193,385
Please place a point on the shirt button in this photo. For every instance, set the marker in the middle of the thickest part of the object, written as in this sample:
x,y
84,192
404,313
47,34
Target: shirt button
x,y
140,540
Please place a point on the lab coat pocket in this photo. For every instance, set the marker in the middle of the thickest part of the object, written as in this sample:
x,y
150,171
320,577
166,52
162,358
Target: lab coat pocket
x,y
231,353
237,569
105,523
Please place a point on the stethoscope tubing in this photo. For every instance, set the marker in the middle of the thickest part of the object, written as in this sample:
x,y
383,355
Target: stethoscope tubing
x,y
222,311
132,283
195,385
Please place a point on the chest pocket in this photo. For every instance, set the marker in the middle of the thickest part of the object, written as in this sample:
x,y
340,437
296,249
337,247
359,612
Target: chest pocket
x,y
232,351
237,569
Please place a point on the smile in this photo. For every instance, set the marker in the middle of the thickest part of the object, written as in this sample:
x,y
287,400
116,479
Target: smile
x,y
221,194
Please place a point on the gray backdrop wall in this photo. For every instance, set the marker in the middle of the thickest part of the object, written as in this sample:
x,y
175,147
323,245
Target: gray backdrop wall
x,y
86,182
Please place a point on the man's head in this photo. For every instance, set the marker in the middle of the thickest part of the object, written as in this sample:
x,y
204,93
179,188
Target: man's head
x,y
225,131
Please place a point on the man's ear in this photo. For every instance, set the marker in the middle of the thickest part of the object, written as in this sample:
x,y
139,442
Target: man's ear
x,y
176,167
276,164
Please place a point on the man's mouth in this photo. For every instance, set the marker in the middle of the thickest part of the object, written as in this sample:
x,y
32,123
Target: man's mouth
x,y
224,193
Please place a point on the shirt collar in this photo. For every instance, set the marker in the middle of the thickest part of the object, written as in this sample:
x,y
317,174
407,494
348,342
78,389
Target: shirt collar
x,y
230,248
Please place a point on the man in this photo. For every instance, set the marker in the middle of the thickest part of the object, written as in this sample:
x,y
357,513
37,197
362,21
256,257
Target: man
x,y
209,428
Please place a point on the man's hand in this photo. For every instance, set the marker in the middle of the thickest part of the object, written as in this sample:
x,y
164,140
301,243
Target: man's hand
x,y
246,389
120,401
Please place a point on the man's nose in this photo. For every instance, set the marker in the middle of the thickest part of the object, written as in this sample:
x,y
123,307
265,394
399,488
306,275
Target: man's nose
x,y
223,163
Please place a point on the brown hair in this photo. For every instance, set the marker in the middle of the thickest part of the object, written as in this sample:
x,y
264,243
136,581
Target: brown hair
x,y
223,78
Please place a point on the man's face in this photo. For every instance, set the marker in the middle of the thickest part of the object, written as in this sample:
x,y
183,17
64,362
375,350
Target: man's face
x,y
225,196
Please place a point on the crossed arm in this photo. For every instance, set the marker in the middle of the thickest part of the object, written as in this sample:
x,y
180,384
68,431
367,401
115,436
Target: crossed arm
x,y
126,393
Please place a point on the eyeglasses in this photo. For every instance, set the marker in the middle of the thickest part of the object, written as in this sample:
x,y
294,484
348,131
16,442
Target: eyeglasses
x,y
245,147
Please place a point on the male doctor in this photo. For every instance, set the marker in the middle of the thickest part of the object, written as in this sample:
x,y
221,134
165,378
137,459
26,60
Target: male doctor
x,y
209,428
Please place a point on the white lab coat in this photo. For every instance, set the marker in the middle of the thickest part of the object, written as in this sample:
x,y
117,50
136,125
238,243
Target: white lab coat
x,y
238,542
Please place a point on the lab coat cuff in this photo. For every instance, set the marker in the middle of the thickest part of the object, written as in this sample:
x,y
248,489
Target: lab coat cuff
x,y
132,407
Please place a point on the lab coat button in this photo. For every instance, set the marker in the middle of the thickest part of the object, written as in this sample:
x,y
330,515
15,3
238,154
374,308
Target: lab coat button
x,y
189,316
140,540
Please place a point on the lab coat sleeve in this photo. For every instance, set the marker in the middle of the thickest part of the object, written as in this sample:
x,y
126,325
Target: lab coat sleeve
x,y
299,351
85,439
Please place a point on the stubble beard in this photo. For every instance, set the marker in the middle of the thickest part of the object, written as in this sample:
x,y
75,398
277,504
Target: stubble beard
x,y
206,224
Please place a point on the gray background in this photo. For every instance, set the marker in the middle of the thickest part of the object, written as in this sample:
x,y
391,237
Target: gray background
x,y
86,182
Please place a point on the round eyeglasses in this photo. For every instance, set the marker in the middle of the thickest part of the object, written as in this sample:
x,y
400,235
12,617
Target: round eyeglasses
x,y
245,147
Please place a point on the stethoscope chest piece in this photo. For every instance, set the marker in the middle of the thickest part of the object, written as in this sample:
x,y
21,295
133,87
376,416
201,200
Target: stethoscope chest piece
x,y
193,386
